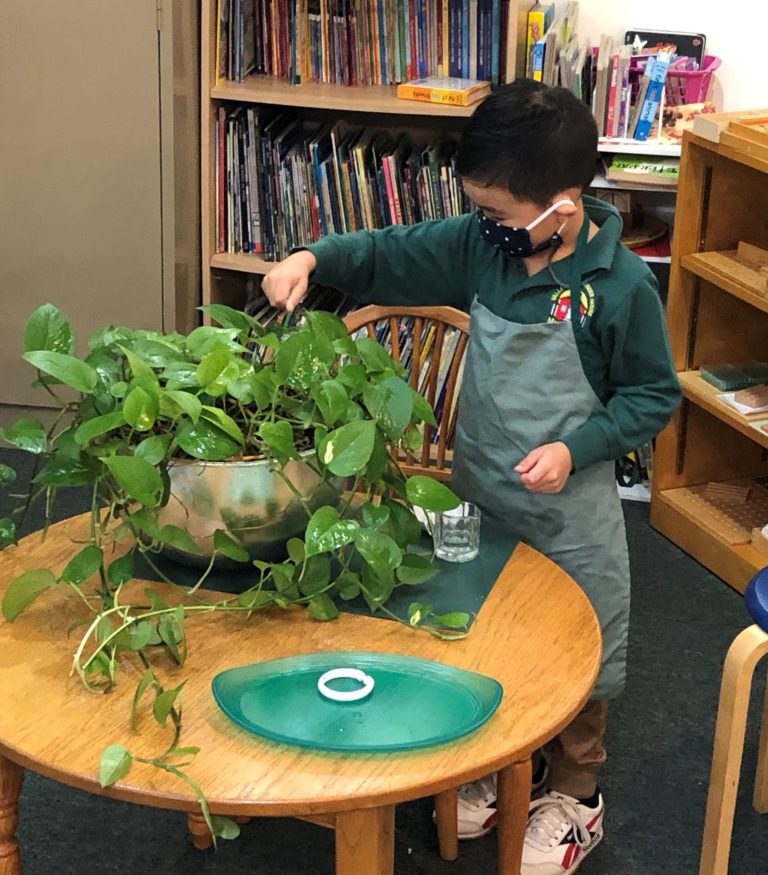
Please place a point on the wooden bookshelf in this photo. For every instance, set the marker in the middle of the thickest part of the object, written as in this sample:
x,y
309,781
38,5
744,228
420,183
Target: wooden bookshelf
x,y
227,276
715,314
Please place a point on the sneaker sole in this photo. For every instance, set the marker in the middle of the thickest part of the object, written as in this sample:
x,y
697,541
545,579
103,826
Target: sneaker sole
x,y
596,839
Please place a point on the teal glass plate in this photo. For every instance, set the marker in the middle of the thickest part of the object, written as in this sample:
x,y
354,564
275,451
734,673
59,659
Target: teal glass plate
x,y
414,702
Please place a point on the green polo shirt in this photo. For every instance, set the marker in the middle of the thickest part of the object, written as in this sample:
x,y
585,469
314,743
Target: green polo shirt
x,y
624,347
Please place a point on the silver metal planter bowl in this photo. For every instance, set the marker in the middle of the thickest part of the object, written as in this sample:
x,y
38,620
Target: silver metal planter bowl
x,y
251,502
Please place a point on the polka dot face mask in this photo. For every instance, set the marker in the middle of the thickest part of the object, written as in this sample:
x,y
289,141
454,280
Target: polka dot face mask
x,y
517,241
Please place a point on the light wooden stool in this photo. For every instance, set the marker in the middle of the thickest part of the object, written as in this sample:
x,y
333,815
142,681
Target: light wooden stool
x,y
747,649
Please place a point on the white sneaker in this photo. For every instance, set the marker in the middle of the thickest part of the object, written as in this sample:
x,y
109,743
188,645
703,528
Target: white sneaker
x,y
560,833
477,802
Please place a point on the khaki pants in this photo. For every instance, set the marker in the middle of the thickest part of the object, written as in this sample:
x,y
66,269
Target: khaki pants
x,y
578,752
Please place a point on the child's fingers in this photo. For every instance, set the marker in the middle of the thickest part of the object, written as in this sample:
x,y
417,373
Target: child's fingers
x,y
529,461
295,295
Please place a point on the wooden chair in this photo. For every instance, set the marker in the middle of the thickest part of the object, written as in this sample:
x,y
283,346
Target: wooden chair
x,y
430,342
745,652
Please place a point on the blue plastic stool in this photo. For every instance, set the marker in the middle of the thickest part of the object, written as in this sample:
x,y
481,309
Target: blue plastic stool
x,y
745,652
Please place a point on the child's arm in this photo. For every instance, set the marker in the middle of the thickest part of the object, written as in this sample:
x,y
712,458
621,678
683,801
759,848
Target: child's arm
x,y
644,386
431,263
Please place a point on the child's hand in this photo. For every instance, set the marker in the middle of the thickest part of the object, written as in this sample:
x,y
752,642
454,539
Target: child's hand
x,y
546,468
286,284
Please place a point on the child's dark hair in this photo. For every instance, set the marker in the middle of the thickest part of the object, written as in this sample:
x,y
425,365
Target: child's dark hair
x,y
531,139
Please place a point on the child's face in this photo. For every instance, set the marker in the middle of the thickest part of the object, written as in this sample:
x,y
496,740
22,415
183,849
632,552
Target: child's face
x,y
503,207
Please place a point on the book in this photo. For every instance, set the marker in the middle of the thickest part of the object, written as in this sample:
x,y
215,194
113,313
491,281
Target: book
x,y
451,90
600,99
688,45
653,96
539,19
642,169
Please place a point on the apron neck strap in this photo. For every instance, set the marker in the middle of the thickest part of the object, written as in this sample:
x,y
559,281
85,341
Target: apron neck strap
x,y
575,279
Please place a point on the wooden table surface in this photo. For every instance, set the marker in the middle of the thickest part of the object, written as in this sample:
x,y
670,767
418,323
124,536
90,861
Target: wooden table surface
x,y
536,634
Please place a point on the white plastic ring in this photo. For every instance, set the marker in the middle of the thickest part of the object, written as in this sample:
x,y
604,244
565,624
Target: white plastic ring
x,y
348,696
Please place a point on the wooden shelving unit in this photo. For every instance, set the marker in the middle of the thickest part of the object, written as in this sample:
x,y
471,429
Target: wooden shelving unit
x,y
715,315
227,276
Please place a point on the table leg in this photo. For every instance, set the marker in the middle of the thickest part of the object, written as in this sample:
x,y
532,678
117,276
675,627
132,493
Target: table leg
x,y
447,822
512,800
199,833
11,779
365,841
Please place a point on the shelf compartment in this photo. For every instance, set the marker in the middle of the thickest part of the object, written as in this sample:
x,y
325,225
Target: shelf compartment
x,y
673,513
718,268
626,146
344,98
242,262
704,395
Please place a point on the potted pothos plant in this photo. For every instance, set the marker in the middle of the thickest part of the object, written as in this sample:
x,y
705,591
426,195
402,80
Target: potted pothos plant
x,y
308,402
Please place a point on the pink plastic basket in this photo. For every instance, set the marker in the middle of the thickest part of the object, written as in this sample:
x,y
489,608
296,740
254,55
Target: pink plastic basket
x,y
691,86
682,86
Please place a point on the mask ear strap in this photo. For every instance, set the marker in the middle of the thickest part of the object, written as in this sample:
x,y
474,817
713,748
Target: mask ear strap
x,y
549,211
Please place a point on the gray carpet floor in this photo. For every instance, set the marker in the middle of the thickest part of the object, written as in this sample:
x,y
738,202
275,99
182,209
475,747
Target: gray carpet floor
x,y
655,782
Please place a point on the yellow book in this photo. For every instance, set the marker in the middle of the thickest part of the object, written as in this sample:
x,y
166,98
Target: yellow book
x,y
442,89
539,19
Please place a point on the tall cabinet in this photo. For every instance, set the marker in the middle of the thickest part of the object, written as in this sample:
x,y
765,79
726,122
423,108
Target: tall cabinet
x,y
98,168
717,313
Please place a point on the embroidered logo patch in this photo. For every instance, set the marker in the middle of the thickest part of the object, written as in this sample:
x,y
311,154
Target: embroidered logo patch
x,y
561,305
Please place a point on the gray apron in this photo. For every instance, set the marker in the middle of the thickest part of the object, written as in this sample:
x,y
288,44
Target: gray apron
x,y
524,386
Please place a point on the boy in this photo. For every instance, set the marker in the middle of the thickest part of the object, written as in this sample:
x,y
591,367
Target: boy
x,y
549,399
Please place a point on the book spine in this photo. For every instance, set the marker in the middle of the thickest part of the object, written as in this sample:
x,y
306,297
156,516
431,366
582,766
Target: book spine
x,y
535,31
611,119
445,53
441,95
495,41
454,28
652,98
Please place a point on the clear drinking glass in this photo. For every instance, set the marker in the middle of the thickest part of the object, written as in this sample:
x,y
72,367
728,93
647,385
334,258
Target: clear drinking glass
x,y
456,533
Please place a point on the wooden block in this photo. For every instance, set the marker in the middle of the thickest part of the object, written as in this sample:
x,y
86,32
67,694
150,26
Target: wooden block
x,y
755,129
728,492
731,522
754,396
754,256
759,541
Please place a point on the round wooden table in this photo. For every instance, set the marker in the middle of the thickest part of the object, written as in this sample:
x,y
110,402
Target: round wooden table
x,y
536,633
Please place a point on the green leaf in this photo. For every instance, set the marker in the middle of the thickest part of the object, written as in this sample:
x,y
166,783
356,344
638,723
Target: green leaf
x,y
327,324
154,449
203,339
403,525
417,611
304,359
227,546
378,549
175,401
170,627
348,585
140,480
156,601
332,400
67,368
7,475
422,409
139,368
278,436
390,403
296,552
452,620
430,494
202,440
346,450
352,376
140,409
212,365
344,346
228,317
377,585
26,434
136,636
24,590
317,574
60,471
164,702
322,607
81,567
8,533
179,538
374,517
415,569
145,520
253,599
326,532
374,356
121,570
148,678
223,421
115,763
98,426
48,328
225,827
